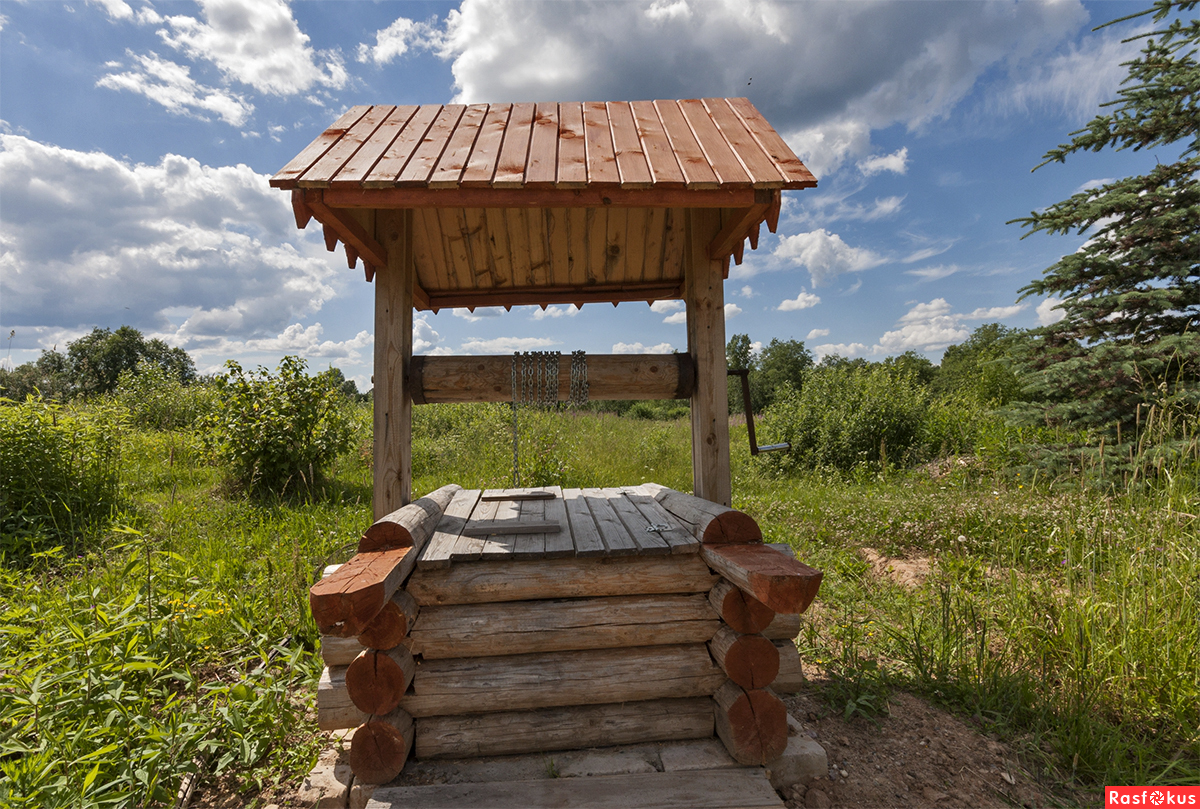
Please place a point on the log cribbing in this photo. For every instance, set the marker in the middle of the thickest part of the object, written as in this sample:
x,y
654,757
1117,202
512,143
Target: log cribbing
x,y
485,582
380,747
743,613
337,651
335,710
752,724
783,584
557,679
751,661
784,626
409,525
570,728
376,680
435,379
791,671
526,627
344,602
392,624
711,523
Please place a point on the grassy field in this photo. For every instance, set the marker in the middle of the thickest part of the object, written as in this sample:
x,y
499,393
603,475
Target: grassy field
x,y
1065,620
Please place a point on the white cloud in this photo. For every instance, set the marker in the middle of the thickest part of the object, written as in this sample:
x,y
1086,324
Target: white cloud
x,y
1091,184
638,348
805,300
935,273
666,10
823,209
506,345
928,252
477,315
172,86
116,9
747,291
995,312
666,306
732,310
841,349
89,239
676,319
1048,312
815,333
425,339
555,312
934,325
896,162
297,339
825,255
255,42
394,41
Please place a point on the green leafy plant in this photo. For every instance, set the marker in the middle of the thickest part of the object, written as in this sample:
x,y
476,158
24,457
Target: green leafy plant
x,y
157,399
278,431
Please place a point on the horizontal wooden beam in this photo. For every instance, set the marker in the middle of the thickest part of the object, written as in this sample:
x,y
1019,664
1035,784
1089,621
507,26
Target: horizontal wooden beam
x,y
439,379
548,295
736,230
590,197
780,582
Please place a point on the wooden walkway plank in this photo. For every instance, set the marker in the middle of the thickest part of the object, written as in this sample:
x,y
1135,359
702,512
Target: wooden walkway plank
x,y
322,171
656,146
446,537
359,166
531,546
601,157
720,155
572,147
499,546
585,536
313,152
617,540
429,151
481,166
698,174
631,160
542,166
538,493
648,542
562,544
397,155
453,161
678,539
746,788
510,170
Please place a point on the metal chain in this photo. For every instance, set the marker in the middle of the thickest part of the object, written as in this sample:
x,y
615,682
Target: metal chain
x,y
516,464
536,384
579,383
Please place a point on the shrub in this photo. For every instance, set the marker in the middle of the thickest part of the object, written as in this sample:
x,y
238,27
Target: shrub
x,y
157,400
277,432
58,472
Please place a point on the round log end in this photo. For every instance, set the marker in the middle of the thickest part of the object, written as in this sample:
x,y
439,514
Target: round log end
x,y
375,683
732,528
752,662
387,629
745,613
378,751
758,720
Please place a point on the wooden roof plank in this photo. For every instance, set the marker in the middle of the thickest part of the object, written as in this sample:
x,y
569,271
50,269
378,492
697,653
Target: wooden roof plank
x,y
358,167
757,163
721,158
781,154
542,167
572,147
697,172
601,156
429,151
481,166
664,168
396,156
286,177
321,173
510,170
454,160
631,157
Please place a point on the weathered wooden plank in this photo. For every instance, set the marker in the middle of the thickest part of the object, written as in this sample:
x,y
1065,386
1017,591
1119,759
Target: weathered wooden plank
x,y
559,544
392,412
758,164
703,789
524,627
572,147
542,166
487,581
678,538
601,159
655,145
358,167
286,177
552,679
531,544
631,160
781,154
648,542
752,724
457,514
697,173
571,728
510,170
539,493
617,541
384,173
751,661
512,526
743,613
721,158
380,747
453,160
425,157
335,710
783,584
585,536
446,538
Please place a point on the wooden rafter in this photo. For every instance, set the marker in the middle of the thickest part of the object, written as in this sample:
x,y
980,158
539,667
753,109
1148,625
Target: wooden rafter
x,y
590,197
548,295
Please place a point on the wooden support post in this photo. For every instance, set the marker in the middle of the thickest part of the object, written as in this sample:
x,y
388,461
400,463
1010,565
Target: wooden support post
x,y
704,295
393,349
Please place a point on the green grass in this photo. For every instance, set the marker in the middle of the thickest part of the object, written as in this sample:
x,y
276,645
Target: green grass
x,y
1065,621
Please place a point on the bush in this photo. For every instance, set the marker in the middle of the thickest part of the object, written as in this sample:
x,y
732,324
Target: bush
x,y
58,473
157,400
278,432
847,417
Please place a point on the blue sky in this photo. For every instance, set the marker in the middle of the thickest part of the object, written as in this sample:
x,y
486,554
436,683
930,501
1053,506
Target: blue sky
x,y
137,139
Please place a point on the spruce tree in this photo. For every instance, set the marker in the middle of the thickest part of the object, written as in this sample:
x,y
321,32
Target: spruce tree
x,y
1130,335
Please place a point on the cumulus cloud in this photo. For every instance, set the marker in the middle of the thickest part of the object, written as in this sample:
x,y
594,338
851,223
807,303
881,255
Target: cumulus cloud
x,y
748,291
815,333
805,300
659,307
840,349
506,345
924,57
638,348
394,41
896,162
172,86
425,338
676,318
478,314
88,237
116,9
555,312
1048,312
303,341
825,255
934,325
732,310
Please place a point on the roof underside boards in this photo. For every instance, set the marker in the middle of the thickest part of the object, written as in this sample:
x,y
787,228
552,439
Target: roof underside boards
x,y
548,202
